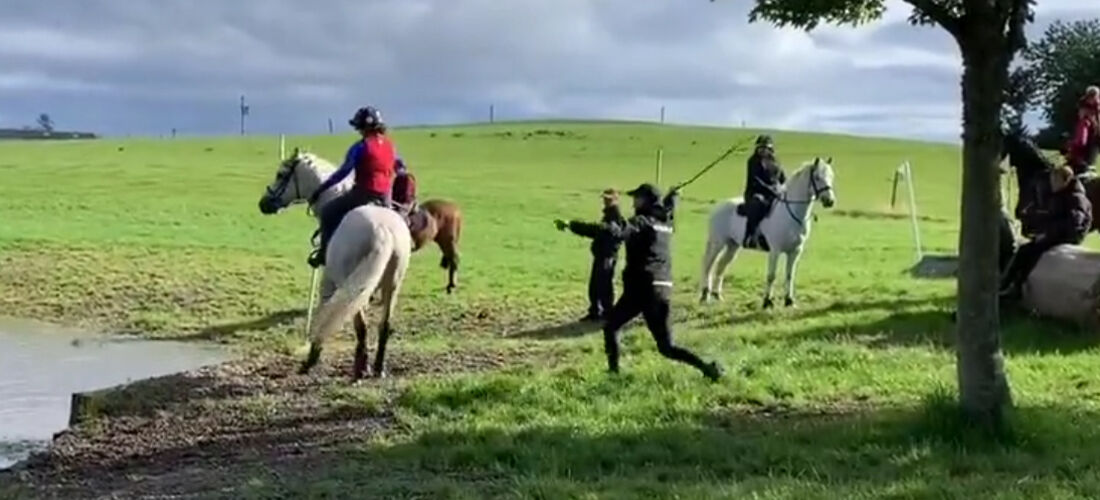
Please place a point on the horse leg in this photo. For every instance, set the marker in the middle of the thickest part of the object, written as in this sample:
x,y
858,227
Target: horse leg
x,y
390,286
327,289
792,266
449,247
709,256
773,260
360,345
723,263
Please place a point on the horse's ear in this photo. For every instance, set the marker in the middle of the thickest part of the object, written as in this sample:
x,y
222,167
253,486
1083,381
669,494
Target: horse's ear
x,y
297,151
817,161
829,160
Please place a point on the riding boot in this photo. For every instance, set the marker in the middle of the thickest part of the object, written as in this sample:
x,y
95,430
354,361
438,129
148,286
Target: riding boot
x,y
317,258
750,232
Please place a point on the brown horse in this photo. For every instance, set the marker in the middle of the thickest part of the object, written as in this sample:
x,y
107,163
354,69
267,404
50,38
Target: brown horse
x,y
435,220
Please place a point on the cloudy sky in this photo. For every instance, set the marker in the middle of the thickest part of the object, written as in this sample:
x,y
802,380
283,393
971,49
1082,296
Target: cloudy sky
x,y
146,66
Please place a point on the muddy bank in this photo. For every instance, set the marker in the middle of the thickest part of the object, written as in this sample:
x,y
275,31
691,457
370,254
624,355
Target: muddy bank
x,y
197,432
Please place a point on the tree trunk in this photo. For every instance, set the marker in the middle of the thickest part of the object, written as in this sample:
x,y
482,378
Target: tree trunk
x,y
983,387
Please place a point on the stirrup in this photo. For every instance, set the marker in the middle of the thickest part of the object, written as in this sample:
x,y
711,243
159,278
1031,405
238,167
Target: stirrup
x,y
316,259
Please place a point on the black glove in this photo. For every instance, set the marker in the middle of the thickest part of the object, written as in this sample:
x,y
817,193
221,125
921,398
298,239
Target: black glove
x,y
560,224
313,197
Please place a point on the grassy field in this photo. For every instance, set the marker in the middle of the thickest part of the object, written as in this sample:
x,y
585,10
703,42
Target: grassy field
x,y
497,393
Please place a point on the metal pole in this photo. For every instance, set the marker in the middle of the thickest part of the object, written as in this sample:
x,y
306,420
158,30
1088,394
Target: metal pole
x,y
492,114
282,146
662,114
660,163
894,191
312,299
913,209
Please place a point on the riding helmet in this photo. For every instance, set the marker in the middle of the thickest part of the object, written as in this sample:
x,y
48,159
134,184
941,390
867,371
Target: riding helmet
x,y
646,191
764,140
367,118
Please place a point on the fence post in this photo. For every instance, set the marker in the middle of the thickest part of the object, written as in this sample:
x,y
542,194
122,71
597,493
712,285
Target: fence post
x,y
660,162
913,209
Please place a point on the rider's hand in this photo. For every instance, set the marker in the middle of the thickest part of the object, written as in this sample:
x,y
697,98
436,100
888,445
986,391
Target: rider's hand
x,y
560,224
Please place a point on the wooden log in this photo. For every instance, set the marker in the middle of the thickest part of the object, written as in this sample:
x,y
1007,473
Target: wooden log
x,y
1066,285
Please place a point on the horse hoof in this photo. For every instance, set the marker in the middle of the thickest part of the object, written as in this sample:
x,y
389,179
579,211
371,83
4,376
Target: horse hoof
x,y
788,302
768,304
704,298
718,297
304,369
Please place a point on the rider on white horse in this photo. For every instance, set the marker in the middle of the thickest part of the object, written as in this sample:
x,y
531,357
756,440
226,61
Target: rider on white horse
x,y
764,183
373,160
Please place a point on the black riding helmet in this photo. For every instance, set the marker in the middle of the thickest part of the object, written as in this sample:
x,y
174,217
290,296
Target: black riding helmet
x,y
765,141
367,119
648,192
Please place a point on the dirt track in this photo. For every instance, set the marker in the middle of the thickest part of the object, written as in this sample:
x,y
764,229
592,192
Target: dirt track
x,y
187,434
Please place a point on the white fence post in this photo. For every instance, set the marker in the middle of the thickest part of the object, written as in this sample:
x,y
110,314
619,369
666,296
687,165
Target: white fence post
x,y
907,171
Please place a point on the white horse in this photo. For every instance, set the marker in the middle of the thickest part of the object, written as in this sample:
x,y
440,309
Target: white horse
x,y
786,229
370,249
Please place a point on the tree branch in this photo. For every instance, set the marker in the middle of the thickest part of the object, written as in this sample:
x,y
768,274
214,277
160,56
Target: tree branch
x,y
931,10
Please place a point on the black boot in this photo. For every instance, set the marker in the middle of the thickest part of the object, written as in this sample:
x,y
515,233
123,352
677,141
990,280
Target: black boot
x,y
713,371
316,259
750,233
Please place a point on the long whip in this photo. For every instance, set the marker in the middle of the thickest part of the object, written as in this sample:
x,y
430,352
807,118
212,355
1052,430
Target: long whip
x,y
738,146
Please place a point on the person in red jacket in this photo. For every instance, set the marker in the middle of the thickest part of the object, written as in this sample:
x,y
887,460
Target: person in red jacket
x,y
373,159
1084,144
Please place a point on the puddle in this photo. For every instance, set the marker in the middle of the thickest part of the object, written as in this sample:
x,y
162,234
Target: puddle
x,y
42,365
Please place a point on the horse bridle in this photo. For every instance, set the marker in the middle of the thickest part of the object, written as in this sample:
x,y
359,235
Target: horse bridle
x,y
817,192
284,184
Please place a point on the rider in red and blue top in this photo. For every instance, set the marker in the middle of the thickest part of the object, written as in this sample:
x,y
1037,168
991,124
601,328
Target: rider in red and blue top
x,y
373,160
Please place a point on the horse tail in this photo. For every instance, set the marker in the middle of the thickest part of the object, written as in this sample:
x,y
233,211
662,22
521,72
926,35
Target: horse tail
x,y
355,291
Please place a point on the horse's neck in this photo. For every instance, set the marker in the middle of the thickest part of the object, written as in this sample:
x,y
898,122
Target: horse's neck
x,y
798,196
311,179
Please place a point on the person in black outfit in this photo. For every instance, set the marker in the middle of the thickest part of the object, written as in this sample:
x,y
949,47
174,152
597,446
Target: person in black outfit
x,y
647,279
1068,219
605,251
765,179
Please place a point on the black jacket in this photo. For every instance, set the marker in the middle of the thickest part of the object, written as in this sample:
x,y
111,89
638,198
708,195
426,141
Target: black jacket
x,y
1069,214
648,237
604,243
765,176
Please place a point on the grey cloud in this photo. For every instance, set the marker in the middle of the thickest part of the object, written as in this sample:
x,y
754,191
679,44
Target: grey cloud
x,y
145,66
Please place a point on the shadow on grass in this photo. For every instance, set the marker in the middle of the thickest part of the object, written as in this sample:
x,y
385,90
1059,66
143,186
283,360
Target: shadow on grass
x,y
219,332
567,330
732,454
933,325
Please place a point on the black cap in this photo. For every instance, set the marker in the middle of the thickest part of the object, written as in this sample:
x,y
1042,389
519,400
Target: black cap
x,y
764,140
647,190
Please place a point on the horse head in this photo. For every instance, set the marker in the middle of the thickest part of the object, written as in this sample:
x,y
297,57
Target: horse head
x,y
821,181
290,185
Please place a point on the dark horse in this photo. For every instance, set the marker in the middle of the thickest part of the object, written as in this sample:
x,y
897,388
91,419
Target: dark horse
x,y
1033,179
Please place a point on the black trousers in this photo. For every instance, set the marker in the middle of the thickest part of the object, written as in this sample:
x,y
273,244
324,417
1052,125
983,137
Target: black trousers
x,y
756,207
601,286
1027,257
336,209
652,302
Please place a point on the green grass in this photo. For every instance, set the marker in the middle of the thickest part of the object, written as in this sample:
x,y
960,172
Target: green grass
x,y
840,398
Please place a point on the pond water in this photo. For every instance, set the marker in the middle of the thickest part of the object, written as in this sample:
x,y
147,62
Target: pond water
x,y
42,365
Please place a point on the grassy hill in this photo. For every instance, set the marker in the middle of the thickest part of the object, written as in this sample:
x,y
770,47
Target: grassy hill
x,y
496,393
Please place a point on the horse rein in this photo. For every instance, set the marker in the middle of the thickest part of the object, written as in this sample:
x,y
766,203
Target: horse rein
x,y
817,192
284,184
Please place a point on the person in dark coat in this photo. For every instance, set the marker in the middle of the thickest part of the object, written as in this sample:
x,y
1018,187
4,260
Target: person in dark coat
x,y
765,179
1067,219
647,279
605,252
